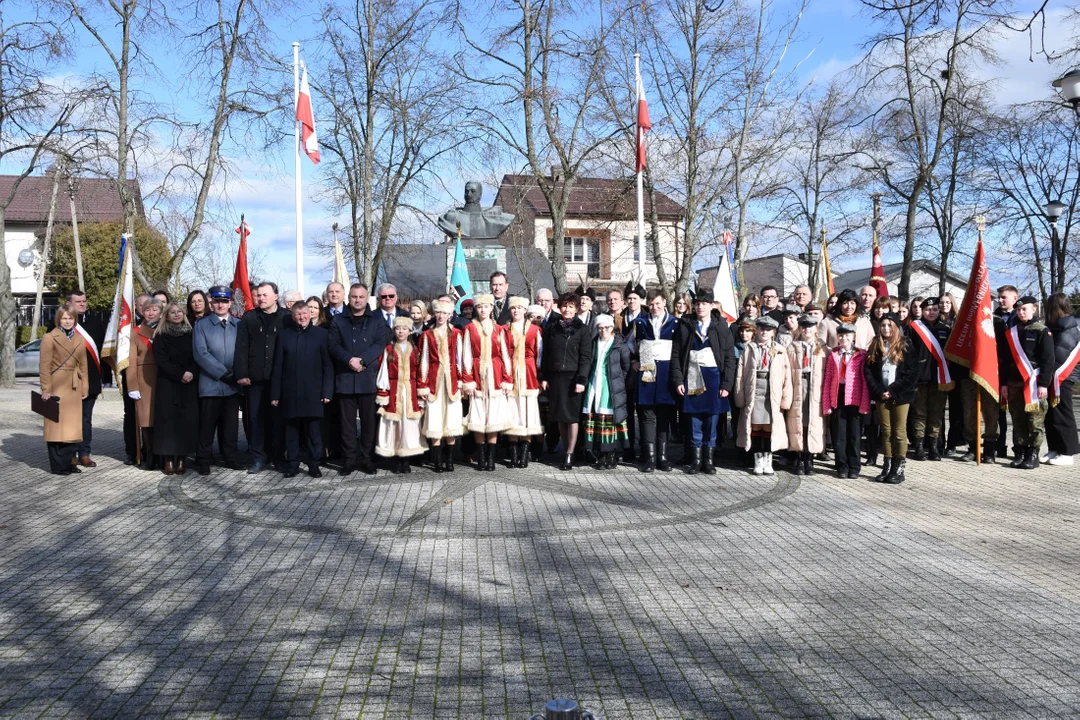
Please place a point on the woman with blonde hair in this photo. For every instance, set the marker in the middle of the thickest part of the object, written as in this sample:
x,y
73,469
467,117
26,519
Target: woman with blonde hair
x,y
62,373
176,394
683,305
418,311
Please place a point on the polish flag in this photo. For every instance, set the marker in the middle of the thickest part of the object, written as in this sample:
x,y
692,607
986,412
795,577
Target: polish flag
x,y
643,124
724,285
304,115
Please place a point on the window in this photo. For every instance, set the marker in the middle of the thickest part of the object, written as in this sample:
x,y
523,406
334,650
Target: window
x,y
578,249
650,253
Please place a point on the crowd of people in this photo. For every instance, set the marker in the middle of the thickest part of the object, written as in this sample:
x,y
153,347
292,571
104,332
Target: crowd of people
x,y
345,379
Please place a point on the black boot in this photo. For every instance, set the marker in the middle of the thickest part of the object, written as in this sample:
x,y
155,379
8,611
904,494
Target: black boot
x,y
988,455
707,466
480,456
695,461
920,448
886,470
933,452
526,450
437,457
448,457
568,462
629,456
493,450
1020,457
1031,459
809,464
649,453
897,475
661,457
797,465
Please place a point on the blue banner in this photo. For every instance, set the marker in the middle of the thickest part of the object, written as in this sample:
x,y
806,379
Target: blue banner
x,y
459,276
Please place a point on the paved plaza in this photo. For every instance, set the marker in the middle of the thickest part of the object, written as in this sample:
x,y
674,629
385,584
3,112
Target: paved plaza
x,y
126,593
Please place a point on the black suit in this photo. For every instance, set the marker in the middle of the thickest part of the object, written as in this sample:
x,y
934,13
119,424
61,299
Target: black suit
x,y
94,373
381,314
501,315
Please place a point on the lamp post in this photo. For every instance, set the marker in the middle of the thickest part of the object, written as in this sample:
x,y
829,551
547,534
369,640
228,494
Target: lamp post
x,y
1053,210
1069,84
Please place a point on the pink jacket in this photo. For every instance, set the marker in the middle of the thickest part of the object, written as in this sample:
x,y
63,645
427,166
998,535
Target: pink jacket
x,y
855,391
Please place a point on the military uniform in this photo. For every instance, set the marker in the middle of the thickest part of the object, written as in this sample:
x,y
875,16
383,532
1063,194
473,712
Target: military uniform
x,y
930,390
1024,375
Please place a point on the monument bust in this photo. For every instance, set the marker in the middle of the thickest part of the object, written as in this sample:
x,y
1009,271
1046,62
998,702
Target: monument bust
x,y
475,222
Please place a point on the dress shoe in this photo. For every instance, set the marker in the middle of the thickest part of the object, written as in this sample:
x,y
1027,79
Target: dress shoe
x,y
85,461
367,467
203,470
314,471
256,468
289,474
72,471
169,469
568,462
852,474
181,465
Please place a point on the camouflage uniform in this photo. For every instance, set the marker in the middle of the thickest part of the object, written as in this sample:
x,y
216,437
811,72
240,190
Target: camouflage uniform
x,y
929,406
1028,424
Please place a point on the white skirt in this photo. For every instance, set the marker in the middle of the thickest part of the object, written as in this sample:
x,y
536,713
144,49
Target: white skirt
x,y
443,418
524,416
489,413
399,438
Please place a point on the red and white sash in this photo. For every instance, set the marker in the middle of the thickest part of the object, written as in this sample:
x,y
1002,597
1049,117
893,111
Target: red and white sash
x,y
945,381
91,346
1063,372
1028,372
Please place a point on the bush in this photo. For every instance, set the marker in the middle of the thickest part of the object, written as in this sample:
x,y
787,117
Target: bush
x,y
23,336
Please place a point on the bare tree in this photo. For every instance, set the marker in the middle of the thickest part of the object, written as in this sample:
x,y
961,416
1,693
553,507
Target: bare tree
x,y
31,115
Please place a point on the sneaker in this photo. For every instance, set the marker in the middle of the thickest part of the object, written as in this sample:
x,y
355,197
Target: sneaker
x,y
1062,460
1043,459
1049,457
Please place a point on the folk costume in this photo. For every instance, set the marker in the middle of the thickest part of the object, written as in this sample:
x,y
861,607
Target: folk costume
x,y
1031,366
142,377
763,390
400,410
606,431
440,389
845,400
655,405
62,371
933,386
526,345
805,425
487,372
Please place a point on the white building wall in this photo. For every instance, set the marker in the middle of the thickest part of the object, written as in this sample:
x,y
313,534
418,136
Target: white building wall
x,y
16,239
623,238
925,284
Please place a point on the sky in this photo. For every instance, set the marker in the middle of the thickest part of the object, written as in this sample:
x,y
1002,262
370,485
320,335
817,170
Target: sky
x,y
261,186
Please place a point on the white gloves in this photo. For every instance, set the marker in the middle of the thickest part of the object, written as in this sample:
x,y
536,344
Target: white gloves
x,y
135,395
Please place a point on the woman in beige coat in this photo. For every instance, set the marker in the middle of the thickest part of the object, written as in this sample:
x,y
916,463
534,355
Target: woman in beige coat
x,y
142,378
763,391
62,374
805,427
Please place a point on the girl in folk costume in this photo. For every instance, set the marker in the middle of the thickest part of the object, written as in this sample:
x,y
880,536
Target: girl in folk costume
x,y
526,344
846,399
62,373
487,372
805,427
606,431
142,377
892,367
763,391
655,405
399,405
440,386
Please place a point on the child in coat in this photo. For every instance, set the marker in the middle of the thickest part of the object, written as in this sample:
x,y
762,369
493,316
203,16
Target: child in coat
x,y
845,400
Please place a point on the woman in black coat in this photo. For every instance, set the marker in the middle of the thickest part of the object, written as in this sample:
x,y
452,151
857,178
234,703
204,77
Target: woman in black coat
x,y
301,384
1061,436
893,365
606,431
176,395
564,371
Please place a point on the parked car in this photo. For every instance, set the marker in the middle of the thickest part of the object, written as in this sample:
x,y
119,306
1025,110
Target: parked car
x,y
26,358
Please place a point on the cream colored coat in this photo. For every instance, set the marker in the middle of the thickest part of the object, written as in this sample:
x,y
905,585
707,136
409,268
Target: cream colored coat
x,y
864,331
815,433
62,372
779,393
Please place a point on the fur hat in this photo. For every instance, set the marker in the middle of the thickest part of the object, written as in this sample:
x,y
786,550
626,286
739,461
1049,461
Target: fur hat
x,y
442,306
517,301
484,299
403,321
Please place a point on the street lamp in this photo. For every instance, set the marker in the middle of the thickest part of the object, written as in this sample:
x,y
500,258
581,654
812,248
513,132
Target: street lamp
x,y
1069,83
1054,210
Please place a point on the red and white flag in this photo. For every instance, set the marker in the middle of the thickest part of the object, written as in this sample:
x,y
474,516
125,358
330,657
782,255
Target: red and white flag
x,y
723,286
309,141
241,286
643,124
118,335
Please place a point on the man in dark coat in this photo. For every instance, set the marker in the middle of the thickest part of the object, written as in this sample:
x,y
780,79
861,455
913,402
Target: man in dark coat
x,y
93,334
500,287
300,387
256,338
357,341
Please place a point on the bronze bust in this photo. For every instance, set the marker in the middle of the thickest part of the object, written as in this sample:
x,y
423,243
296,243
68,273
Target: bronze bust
x,y
474,221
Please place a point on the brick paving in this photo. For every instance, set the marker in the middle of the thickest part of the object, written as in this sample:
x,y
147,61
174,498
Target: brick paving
x,y
125,593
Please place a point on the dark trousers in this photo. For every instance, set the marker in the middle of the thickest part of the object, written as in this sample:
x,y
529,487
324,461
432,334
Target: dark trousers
x,y
956,418
631,412
87,425
266,441
330,429
1061,424
219,415
353,451
846,426
1003,432
308,429
655,422
131,432
60,455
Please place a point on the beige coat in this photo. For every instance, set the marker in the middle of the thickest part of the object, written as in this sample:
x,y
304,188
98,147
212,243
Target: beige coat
x,y
142,373
779,394
815,432
62,372
864,332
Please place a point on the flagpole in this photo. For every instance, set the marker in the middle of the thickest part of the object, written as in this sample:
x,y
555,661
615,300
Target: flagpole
x,y
979,223
296,164
640,190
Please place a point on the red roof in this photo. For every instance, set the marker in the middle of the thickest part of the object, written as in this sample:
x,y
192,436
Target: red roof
x,y
603,197
96,199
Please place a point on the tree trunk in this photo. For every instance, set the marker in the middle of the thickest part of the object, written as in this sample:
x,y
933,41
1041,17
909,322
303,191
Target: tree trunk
x,y
904,286
8,317
46,246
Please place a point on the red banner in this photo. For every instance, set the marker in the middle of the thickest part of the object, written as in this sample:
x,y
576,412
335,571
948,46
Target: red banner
x,y
240,286
973,343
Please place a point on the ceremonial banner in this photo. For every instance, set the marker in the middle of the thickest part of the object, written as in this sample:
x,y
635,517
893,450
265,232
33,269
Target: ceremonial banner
x,y
121,323
973,342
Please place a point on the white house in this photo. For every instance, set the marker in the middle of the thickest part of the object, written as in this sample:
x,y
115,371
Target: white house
x,y
783,271
600,238
923,280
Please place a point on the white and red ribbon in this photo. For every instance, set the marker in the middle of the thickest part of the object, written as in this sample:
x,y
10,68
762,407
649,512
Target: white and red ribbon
x,y
91,346
1028,372
1064,371
945,381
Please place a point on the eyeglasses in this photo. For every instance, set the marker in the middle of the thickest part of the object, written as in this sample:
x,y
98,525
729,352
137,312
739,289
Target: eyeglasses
x,y
387,297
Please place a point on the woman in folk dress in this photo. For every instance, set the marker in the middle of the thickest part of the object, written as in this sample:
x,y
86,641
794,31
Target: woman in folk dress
x,y
486,370
526,344
606,430
440,386
400,410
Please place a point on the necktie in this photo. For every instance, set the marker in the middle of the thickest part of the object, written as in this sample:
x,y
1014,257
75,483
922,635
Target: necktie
x,y
806,356
390,321
764,357
843,366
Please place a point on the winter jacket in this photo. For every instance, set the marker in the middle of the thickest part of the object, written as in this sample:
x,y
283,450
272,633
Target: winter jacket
x,y
215,348
1066,332
902,389
362,336
723,348
256,338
